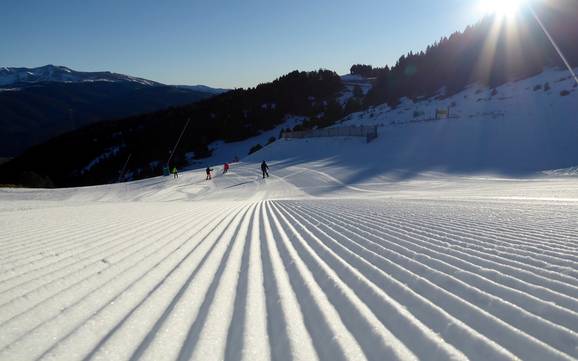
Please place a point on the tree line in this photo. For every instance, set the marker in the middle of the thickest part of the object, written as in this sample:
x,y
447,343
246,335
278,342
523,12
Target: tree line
x,y
231,116
491,52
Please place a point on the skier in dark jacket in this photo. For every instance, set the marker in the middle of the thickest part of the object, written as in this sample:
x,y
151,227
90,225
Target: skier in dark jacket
x,y
264,169
208,170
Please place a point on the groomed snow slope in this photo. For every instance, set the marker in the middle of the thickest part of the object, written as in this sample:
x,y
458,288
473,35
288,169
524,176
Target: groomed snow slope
x,y
446,240
519,128
308,264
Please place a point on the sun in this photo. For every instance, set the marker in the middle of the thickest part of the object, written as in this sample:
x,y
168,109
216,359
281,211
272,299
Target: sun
x,y
501,8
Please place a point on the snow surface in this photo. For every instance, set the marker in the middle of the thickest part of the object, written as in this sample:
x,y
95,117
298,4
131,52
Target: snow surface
x,y
315,262
349,82
106,154
227,152
440,240
519,131
523,100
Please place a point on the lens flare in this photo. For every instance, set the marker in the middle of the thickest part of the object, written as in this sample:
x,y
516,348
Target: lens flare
x,y
501,8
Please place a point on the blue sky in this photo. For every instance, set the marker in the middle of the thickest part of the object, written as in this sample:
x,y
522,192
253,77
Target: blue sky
x,y
222,43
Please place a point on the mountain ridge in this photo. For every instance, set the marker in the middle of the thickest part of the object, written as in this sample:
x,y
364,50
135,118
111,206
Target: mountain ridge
x,y
59,73
37,104
10,76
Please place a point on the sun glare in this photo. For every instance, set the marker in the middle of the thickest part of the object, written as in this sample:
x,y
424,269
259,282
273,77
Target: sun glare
x,y
502,8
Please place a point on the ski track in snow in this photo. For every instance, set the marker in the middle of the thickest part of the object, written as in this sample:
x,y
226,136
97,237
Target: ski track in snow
x,y
253,276
409,247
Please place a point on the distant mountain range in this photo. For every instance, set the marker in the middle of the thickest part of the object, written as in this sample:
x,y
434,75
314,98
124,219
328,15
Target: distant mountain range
x,y
37,104
62,74
204,88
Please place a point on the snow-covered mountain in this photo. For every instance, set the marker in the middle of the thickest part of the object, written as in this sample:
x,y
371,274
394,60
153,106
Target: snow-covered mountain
x,y
39,103
55,73
62,74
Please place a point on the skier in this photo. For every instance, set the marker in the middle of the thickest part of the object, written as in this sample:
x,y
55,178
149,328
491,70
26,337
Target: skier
x,y
208,170
175,173
225,168
264,169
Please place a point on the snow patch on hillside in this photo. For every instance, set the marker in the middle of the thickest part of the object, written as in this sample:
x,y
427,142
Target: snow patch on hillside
x,y
518,129
110,152
350,81
229,152
535,97
570,171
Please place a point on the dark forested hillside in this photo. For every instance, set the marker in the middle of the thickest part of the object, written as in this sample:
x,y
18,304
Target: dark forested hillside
x,y
95,154
491,52
31,113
